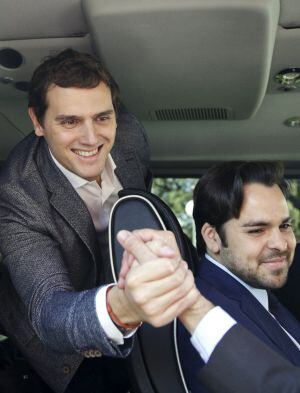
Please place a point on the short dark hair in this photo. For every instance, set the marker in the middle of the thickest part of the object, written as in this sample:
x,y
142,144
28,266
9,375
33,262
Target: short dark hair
x,y
219,194
68,68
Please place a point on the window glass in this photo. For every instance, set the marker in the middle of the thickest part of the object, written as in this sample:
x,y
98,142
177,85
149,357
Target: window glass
x,y
294,205
178,194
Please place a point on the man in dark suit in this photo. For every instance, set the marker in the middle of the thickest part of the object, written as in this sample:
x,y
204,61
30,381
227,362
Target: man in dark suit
x,y
242,363
236,360
56,191
289,294
246,242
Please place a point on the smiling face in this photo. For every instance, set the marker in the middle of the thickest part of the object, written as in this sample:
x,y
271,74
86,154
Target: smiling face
x,y
79,126
260,244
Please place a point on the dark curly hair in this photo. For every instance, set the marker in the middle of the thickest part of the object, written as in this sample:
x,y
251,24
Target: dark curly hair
x,y
219,194
68,68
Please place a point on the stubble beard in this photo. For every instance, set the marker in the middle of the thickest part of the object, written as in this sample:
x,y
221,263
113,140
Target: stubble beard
x,y
258,277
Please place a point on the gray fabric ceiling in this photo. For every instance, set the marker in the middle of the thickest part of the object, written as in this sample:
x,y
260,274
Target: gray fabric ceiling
x,y
289,13
24,19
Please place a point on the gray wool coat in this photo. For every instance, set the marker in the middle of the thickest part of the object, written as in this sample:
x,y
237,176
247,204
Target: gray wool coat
x,y
50,270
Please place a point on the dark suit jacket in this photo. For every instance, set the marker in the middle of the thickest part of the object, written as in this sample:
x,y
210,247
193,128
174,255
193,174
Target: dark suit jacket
x,y
242,363
223,290
289,294
51,254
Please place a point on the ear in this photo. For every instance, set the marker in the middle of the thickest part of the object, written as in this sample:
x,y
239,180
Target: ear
x,y
38,129
211,238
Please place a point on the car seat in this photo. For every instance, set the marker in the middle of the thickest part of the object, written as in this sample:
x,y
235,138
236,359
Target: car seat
x,y
154,363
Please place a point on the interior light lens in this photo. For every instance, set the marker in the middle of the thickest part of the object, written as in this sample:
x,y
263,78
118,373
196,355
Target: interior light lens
x,y
292,121
289,78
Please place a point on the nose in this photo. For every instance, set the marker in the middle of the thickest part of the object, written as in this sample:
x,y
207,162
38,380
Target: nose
x,y
89,134
277,240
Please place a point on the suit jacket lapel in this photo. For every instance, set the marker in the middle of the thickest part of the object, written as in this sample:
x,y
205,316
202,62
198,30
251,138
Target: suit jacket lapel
x,y
66,201
270,327
284,317
250,307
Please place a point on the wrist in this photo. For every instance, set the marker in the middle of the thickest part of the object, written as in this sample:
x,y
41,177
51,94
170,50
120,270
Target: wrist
x,y
191,317
119,309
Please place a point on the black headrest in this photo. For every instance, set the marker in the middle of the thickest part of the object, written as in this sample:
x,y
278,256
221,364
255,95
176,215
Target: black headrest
x,y
138,209
154,362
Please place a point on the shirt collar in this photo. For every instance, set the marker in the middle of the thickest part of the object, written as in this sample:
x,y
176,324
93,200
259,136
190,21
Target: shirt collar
x,y
77,181
260,294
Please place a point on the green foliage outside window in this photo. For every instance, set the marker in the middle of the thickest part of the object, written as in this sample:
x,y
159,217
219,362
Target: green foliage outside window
x,y
294,206
176,192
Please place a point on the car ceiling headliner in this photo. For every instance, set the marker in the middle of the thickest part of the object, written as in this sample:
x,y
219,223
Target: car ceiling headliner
x,y
39,28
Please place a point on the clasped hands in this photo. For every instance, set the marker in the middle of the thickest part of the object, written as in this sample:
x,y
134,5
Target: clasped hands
x,y
155,284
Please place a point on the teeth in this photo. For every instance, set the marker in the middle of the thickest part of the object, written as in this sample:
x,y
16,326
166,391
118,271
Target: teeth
x,y
86,153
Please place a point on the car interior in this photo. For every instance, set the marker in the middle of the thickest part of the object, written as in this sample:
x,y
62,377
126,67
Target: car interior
x,y
210,80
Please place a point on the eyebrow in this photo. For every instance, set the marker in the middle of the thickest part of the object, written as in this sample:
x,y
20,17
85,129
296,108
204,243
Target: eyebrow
x,y
73,117
105,113
260,223
66,117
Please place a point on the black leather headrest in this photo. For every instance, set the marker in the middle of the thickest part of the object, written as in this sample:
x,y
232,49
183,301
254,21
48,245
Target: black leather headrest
x,y
154,363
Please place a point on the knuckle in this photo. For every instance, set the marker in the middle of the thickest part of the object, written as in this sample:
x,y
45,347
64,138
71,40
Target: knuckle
x,y
186,287
170,234
150,310
173,283
179,276
154,245
176,281
130,242
181,291
140,298
130,281
169,265
170,238
191,299
156,323
190,278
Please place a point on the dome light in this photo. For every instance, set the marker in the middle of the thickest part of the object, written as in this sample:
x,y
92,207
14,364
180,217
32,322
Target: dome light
x,y
289,78
292,122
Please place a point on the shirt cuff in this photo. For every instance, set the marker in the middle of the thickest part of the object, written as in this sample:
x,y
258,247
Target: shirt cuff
x,y
110,329
210,331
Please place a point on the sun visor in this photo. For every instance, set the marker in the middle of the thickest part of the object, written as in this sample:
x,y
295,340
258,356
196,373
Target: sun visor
x,y
32,19
187,60
289,14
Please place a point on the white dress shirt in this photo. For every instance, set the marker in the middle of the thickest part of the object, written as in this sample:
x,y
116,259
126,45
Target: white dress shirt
x,y
217,322
99,202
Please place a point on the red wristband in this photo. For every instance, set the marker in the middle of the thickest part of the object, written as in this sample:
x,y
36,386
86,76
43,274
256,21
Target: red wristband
x,y
113,316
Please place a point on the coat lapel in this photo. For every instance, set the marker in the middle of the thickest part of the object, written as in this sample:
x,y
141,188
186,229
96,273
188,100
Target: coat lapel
x,y
283,315
66,201
246,309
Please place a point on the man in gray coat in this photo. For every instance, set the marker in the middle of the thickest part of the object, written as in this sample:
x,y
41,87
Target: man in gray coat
x,y
56,190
